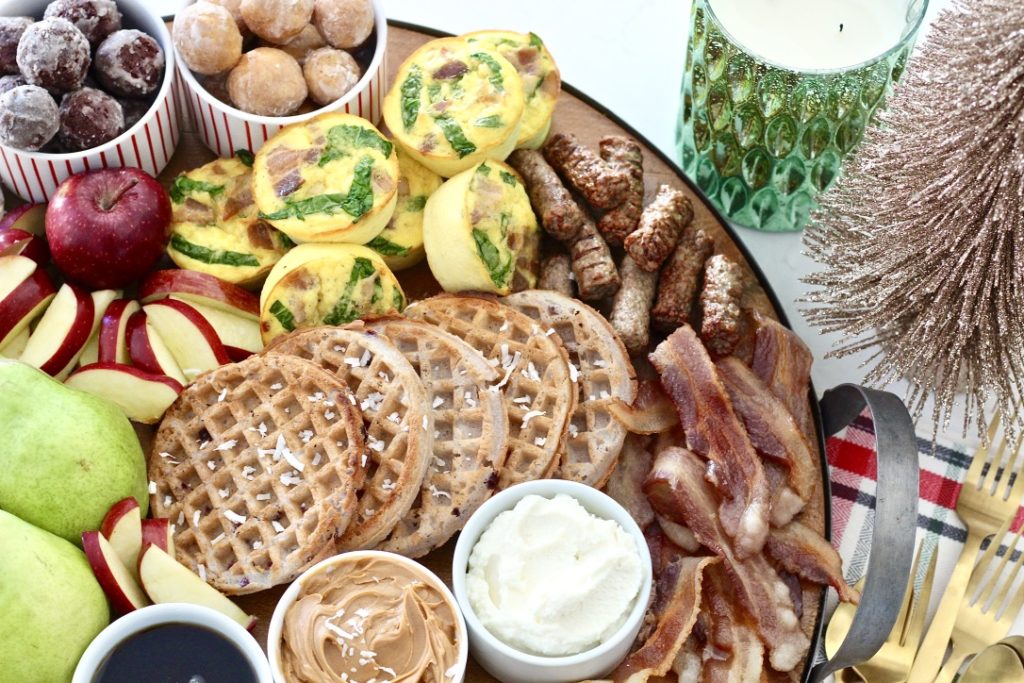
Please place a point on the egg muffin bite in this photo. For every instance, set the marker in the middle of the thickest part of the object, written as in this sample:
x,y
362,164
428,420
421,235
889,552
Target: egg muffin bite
x,y
453,105
479,231
333,178
401,241
215,227
327,284
541,80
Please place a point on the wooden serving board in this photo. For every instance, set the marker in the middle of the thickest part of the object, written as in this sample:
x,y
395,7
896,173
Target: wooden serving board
x,y
574,114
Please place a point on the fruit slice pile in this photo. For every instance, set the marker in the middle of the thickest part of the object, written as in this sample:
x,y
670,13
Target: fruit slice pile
x,y
137,354
133,560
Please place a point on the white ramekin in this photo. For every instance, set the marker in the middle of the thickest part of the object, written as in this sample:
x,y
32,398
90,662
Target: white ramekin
x,y
225,129
509,664
170,613
149,144
289,597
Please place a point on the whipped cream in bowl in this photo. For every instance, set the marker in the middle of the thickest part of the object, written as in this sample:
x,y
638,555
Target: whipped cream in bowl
x,y
554,578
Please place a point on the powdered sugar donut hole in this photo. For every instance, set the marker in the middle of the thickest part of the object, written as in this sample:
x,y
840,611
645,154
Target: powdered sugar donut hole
x,y
248,83
277,21
11,29
96,19
301,45
330,73
54,54
207,38
344,23
28,118
129,63
88,118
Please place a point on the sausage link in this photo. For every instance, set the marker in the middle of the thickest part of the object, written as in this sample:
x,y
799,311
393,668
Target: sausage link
x,y
623,153
601,185
661,224
631,308
680,279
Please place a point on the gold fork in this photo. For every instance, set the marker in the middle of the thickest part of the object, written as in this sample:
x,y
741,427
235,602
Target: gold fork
x,y
984,619
986,499
891,663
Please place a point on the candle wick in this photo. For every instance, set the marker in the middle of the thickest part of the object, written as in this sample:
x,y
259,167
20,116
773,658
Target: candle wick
x,y
840,28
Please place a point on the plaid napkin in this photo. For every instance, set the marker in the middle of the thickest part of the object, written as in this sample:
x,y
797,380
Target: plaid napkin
x,y
851,457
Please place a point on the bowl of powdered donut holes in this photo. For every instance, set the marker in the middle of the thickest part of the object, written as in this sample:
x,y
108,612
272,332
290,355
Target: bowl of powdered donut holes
x,y
84,84
251,67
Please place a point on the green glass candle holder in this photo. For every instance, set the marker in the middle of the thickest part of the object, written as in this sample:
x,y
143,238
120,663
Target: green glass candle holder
x,y
762,140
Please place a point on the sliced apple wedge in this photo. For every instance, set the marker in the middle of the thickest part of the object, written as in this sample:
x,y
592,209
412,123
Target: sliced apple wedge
x,y
14,270
28,217
142,396
20,308
191,340
159,532
122,526
167,581
200,288
15,345
148,351
62,332
91,353
114,578
20,243
113,339
240,335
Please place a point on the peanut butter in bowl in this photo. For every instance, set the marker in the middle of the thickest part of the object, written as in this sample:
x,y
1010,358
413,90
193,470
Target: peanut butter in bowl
x,y
364,616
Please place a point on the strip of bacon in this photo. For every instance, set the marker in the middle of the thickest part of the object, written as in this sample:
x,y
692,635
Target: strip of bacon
x,y
772,429
713,431
807,554
734,652
679,590
677,489
783,362
626,481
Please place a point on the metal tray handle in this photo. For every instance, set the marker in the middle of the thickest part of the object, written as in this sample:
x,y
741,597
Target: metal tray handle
x,y
892,544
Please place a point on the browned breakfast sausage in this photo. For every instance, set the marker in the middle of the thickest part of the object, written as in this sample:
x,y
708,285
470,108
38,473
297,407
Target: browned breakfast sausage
x,y
661,224
623,153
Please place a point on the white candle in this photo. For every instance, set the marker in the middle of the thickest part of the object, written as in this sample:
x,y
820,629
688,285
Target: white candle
x,y
814,34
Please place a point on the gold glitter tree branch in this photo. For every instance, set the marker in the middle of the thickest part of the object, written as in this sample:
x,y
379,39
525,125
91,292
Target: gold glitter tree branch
x,y
921,241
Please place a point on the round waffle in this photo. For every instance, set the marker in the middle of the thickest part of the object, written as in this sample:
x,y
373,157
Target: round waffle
x,y
605,374
535,377
399,422
257,465
470,434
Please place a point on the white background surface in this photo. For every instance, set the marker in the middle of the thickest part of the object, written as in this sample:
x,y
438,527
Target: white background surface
x,y
629,56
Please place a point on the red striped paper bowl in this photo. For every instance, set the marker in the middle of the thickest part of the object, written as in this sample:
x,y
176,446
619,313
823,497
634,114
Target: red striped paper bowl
x,y
149,144
225,129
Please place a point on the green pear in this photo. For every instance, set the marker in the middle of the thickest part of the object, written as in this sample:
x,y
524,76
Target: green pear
x,y
67,455
52,605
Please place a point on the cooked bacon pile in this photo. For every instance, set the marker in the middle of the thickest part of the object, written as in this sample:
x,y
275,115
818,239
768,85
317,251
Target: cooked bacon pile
x,y
667,272
721,497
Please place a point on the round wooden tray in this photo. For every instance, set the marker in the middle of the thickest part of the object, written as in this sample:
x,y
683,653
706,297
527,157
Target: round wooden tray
x,y
577,114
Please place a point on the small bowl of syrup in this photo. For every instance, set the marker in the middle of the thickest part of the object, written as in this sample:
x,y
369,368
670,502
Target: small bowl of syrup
x,y
176,642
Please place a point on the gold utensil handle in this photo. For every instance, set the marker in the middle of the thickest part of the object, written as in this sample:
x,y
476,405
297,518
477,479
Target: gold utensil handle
x,y
948,672
933,647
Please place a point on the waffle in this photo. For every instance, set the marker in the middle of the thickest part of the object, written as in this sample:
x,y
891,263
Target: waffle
x,y
535,376
470,434
605,374
257,465
396,411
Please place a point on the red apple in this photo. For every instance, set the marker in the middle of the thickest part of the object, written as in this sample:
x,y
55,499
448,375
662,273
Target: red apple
x,y
159,532
27,217
62,332
16,242
14,270
23,305
191,340
107,228
113,340
143,397
114,578
122,526
167,581
200,288
148,350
